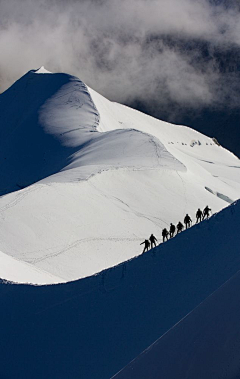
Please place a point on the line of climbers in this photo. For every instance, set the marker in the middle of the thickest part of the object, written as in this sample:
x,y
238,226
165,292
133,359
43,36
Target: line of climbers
x,y
200,215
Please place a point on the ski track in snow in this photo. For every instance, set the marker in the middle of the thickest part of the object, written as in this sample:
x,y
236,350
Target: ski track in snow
x,y
19,196
77,243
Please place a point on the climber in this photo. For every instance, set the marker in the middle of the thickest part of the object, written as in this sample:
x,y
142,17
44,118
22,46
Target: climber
x,y
153,240
199,215
172,230
187,221
206,212
179,227
165,234
146,245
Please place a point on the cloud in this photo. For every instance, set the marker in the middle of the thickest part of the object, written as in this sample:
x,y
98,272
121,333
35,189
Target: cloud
x,y
126,50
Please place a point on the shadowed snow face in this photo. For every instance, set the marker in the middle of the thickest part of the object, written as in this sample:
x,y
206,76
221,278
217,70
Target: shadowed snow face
x,y
121,49
70,114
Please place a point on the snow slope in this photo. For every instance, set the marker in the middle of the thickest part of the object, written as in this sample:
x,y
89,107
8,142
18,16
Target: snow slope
x,y
14,270
93,327
85,181
205,344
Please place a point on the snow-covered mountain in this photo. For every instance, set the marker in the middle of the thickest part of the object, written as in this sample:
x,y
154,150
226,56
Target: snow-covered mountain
x,y
84,181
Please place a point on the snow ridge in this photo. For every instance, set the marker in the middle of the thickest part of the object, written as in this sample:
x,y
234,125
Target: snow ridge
x,y
115,315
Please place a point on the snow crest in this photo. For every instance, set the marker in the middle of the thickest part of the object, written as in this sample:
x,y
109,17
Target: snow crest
x,y
70,114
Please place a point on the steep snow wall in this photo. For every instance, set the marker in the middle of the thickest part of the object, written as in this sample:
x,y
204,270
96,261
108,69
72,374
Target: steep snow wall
x,y
205,344
93,327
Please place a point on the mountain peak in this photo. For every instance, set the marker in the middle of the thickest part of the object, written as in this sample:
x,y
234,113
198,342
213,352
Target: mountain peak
x,y
42,70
